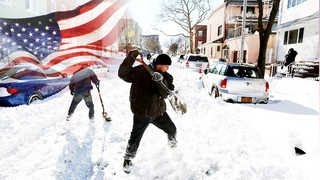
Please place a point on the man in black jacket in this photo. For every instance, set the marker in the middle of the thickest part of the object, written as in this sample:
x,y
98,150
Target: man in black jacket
x,y
147,101
290,57
80,87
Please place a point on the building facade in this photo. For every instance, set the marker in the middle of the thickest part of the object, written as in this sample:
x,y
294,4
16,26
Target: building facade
x,y
224,32
151,43
130,34
298,28
199,37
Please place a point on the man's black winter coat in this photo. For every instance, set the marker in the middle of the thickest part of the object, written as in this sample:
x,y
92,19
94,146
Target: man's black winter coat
x,y
146,96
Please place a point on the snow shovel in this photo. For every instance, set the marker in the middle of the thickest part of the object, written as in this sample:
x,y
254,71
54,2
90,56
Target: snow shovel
x,y
104,113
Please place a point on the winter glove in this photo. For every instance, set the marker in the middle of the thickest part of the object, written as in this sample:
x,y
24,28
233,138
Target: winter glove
x,y
168,80
134,53
72,93
156,76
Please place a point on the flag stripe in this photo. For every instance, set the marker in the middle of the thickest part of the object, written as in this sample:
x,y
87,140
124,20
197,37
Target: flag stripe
x,y
76,12
73,61
84,17
93,24
84,35
97,34
23,59
71,55
72,50
111,37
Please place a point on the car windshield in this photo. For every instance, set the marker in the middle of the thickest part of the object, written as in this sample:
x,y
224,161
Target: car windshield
x,y
198,58
241,71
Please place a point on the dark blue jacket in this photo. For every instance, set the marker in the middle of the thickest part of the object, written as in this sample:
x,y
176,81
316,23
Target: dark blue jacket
x,y
81,81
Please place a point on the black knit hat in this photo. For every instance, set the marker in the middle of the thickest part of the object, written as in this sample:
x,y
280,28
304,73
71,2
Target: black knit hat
x,y
163,59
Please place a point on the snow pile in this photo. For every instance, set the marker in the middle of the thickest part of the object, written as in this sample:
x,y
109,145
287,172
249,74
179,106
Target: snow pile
x,y
216,140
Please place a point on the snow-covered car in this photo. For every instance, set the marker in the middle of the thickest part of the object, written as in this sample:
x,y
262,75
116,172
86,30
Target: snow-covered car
x,y
23,86
236,83
197,62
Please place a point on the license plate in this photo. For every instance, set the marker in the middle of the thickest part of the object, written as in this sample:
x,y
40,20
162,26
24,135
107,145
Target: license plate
x,y
246,99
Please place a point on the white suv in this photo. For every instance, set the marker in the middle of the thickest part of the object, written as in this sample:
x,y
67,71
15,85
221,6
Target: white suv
x,y
236,83
196,62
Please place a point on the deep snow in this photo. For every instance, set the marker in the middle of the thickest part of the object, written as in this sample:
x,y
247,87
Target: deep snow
x,y
216,140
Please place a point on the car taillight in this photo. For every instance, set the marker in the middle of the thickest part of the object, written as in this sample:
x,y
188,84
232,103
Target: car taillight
x,y
223,83
267,86
187,64
12,91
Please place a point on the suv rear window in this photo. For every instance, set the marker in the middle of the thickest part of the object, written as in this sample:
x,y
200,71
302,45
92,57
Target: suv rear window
x,y
198,58
240,71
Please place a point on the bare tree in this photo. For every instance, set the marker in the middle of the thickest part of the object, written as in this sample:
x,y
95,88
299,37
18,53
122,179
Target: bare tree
x,y
173,48
264,31
186,14
152,45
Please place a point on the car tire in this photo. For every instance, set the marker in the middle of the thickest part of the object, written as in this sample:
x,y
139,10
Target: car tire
x,y
214,92
34,97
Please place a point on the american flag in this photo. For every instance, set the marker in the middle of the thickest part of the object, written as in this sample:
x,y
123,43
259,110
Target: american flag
x,y
63,42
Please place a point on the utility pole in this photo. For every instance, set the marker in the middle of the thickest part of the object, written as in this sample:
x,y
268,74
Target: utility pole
x,y
319,33
244,13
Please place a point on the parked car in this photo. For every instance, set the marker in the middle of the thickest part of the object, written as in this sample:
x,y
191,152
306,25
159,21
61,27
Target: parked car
x,y
197,62
236,83
153,57
21,85
181,58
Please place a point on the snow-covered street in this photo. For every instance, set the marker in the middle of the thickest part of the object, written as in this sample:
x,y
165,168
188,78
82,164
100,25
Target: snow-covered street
x,y
216,140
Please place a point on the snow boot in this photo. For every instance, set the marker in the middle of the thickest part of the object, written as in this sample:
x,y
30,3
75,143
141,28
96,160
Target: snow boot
x,y
172,142
299,151
68,118
127,166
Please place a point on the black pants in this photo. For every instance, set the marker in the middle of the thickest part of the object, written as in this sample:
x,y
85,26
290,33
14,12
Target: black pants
x,y
140,124
76,100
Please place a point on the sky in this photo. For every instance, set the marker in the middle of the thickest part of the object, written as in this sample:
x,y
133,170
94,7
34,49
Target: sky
x,y
146,12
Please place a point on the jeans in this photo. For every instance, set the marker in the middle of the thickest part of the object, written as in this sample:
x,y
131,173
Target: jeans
x,y
76,100
140,124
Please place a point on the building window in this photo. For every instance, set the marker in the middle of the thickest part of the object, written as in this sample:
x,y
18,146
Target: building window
x,y
293,36
301,31
250,11
200,33
285,39
219,30
218,48
292,3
